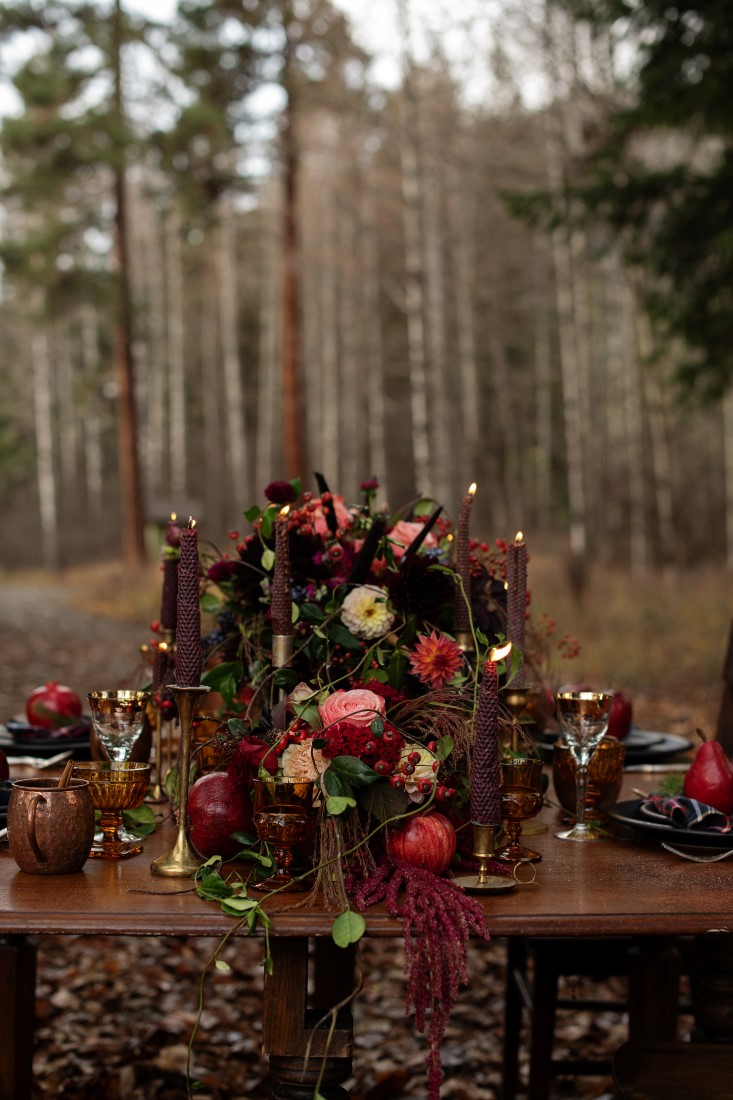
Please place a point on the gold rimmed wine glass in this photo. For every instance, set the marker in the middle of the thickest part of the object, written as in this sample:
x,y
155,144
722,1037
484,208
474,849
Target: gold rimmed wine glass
x,y
521,799
114,786
118,718
283,817
583,718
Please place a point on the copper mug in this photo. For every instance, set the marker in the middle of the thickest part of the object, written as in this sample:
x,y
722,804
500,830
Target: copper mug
x,y
50,828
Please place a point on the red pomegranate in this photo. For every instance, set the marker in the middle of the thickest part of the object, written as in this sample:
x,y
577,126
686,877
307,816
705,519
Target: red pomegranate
x,y
427,841
216,809
52,705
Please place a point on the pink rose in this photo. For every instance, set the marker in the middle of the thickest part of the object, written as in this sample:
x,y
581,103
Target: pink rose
x,y
359,705
318,519
403,534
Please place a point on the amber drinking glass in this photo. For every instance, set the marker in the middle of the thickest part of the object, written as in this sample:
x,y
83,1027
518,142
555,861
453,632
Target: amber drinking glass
x,y
521,799
583,718
283,817
114,786
605,776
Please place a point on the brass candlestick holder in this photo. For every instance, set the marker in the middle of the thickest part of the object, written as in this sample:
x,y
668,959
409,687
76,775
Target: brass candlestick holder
x,y
183,860
464,641
484,844
520,701
166,654
282,652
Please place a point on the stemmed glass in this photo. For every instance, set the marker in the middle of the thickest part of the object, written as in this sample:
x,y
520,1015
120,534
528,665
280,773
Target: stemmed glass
x,y
521,798
283,817
118,718
114,786
583,718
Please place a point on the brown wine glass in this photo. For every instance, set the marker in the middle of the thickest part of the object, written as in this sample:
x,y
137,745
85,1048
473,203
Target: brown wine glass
x,y
521,799
283,817
114,786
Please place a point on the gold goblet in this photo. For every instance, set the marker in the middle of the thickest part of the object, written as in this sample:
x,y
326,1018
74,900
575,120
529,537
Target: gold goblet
x,y
283,817
521,798
114,786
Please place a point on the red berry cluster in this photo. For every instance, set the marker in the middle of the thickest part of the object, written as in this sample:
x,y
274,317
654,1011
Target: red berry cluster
x,y
380,750
298,732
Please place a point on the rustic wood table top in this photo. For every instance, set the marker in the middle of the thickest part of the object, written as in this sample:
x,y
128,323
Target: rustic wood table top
x,y
611,887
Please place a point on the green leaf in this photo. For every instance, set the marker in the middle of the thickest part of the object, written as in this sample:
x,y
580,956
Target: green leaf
x,y
267,518
223,966
236,907
444,747
383,801
334,785
297,485
253,513
140,820
255,857
423,507
210,603
481,638
213,887
379,675
243,838
285,678
268,559
308,712
353,771
377,726
337,804
348,928
217,677
341,636
397,669
267,963
311,613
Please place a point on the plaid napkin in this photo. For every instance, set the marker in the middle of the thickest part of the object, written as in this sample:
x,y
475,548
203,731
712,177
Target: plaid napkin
x,y
688,813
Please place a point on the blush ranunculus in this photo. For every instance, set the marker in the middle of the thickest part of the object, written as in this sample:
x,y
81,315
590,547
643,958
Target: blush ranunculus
x,y
404,532
359,705
317,518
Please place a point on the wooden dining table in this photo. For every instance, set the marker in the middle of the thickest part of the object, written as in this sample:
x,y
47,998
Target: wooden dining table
x,y
614,887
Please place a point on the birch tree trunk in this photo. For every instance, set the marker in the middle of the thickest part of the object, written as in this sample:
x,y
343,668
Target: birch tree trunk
x,y
634,431
68,416
352,390
269,350
330,389
372,328
231,366
218,502
443,421
43,423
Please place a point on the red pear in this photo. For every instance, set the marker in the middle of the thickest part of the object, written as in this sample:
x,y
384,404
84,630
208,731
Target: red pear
x,y
709,778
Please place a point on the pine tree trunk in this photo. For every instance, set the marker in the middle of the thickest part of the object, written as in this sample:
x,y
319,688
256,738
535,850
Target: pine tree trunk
x,y
177,387
232,371
130,480
92,428
43,423
330,378
268,467
443,422
68,419
634,431
352,390
293,412
728,475
543,394
372,329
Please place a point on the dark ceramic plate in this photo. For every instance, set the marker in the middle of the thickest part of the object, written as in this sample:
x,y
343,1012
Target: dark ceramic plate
x,y
629,813
44,747
642,746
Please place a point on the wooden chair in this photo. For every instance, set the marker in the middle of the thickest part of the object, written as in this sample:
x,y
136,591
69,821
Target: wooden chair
x,y
534,967
673,1071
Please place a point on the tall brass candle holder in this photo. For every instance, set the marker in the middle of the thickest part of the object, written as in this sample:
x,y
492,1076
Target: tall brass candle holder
x,y
165,655
484,844
464,641
182,860
520,701
282,652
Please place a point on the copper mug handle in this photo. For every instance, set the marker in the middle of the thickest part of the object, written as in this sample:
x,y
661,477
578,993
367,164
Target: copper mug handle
x,y
30,828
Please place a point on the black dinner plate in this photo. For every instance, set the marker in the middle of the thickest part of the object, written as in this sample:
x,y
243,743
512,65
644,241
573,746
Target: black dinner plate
x,y
629,813
642,746
43,747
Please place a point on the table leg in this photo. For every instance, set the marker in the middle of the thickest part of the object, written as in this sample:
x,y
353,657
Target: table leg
x,y
289,1026
712,993
654,988
17,996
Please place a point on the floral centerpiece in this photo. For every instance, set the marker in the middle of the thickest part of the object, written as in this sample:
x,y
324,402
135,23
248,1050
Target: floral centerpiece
x,y
374,703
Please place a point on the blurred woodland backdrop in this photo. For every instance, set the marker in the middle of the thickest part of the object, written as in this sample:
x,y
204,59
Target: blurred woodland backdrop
x,y
229,255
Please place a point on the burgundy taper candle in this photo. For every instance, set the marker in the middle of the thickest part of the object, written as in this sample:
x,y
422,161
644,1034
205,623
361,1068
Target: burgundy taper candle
x,y
169,598
485,767
516,599
282,601
189,658
462,617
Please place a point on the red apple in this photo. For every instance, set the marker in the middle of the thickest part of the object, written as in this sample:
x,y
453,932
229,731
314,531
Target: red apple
x,y
217,807
619,721
4,769
52,705
427,841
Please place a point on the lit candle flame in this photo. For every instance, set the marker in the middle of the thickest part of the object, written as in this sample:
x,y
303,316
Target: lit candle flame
x,y
499,653
284,511
472,489
163,646
519,536
191,523
173,517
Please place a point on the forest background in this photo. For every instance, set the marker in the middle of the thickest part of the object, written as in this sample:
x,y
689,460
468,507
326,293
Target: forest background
x,y
232,252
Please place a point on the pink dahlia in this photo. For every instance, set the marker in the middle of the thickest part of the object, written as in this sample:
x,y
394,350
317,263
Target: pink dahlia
x,y
435,660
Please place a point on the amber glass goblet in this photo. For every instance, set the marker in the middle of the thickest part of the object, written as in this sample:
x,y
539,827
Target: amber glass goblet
x,y
583,718
605,777
114,786
521,799
283,818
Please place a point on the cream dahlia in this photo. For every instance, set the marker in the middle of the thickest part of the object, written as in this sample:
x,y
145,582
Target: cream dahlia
x,y
366,612
301,761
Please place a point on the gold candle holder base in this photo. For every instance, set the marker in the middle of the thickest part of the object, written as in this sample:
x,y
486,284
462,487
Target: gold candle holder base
x,y
183,860
157,792
484,843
